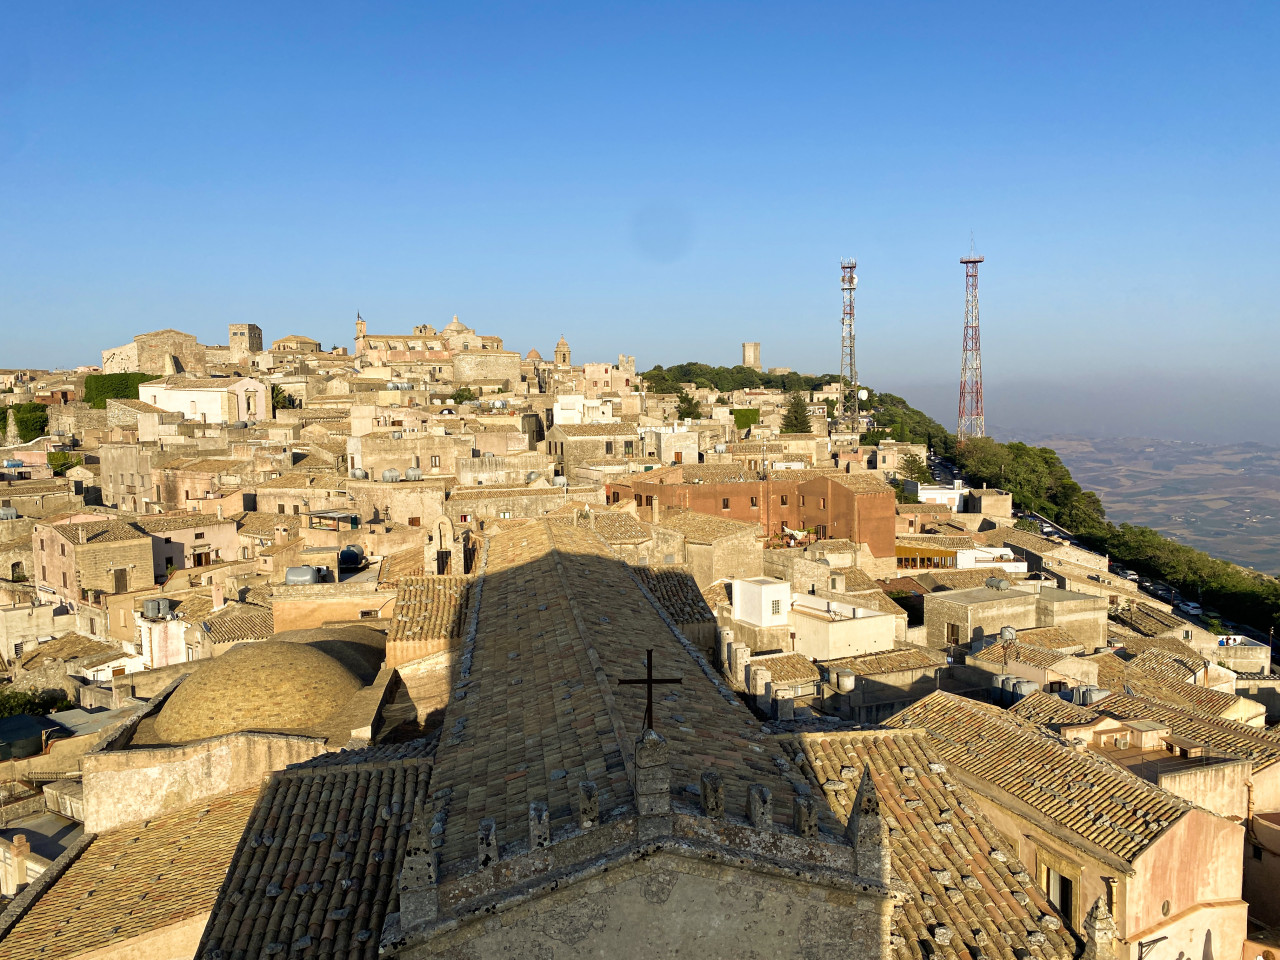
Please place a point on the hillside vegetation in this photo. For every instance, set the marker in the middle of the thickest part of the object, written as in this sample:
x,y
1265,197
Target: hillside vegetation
x,y
1039,482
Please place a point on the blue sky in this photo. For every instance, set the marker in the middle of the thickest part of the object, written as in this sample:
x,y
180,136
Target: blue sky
x,y
664,180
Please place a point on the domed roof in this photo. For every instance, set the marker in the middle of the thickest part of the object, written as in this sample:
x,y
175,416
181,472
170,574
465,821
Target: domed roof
x,y
562,343
533,354
269,685
453,325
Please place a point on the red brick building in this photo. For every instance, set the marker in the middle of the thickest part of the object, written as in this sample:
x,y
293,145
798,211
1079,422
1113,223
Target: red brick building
x,y
849,506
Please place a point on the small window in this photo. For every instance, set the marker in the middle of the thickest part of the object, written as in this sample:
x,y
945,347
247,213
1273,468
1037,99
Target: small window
x,y
776,607
755,502
200,536
279,508
62,549
648,501
822,503
504,514
953,633
296,509
608,446
168,539
465,518
435,461
802,500
17,652
724,503
366,614
784,499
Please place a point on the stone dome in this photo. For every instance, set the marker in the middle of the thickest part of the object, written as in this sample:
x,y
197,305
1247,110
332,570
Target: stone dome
x,y
533,354
269,685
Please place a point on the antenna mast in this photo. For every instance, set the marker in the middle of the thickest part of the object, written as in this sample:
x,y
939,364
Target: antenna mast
x,y
971,422
848,363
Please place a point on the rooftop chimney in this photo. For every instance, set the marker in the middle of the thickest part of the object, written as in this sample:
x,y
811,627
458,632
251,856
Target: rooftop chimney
x,y
219,596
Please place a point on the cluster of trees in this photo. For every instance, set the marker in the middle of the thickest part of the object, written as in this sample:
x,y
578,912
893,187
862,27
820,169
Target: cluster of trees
x,y
898,420
32,420
14,702
796,419
1039,481
725,379
101,387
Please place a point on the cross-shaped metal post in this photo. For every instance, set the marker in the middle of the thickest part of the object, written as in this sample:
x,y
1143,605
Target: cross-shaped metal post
x,y
649,681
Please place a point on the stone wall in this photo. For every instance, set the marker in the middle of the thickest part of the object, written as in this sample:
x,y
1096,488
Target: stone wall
x,y
663,905
125,786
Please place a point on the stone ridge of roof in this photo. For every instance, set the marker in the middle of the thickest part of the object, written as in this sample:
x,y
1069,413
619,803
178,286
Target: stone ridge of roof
x,y
180,858
1049,709
1090,797
100,531
962,891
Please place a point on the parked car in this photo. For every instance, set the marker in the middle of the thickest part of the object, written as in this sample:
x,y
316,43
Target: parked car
x,y
1191,609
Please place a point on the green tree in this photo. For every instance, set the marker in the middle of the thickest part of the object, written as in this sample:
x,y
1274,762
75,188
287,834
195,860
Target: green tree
x,y
463,395
796,419
913,468
1027,525
281,400
14,702
61,462
32,420
745,417
689,408
101,387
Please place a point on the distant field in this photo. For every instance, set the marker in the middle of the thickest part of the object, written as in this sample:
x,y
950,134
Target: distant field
x,y
1223,500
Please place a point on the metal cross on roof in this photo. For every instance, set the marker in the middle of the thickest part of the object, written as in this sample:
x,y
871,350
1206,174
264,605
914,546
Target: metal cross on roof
x,y
649,681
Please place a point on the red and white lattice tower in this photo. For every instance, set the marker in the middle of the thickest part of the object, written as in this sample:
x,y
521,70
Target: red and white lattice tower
x,y
970,422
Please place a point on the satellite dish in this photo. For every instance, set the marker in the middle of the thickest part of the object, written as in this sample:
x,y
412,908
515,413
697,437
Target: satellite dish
x,y
862,394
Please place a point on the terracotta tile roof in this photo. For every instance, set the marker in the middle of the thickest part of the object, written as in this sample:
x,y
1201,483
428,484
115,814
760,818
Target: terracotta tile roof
x,y
100,531
963,892
515,493
700,528
1013,537
596,429
395,567
1099,802
1258,745
70,646
537,708
264,525
1166,666
716,473
299,481
788,667
164,523
934,542
716,594
861,482
888,661
959,579
1014,651
430,608
315,874
678,593
1054,638
133,881
1049,709
237,623
915,509
1148,620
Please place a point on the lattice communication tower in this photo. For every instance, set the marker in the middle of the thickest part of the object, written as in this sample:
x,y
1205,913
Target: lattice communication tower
x,y
971,422
848,362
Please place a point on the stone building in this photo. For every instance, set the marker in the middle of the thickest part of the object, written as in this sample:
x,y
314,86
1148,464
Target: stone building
x,y
210,399
161,352
244,340
1089,830
87,555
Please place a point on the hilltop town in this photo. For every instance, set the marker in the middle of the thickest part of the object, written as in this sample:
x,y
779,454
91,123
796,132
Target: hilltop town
x,y
430,647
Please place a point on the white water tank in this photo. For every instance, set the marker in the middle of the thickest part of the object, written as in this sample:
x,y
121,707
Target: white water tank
x,y
413,473
391,475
